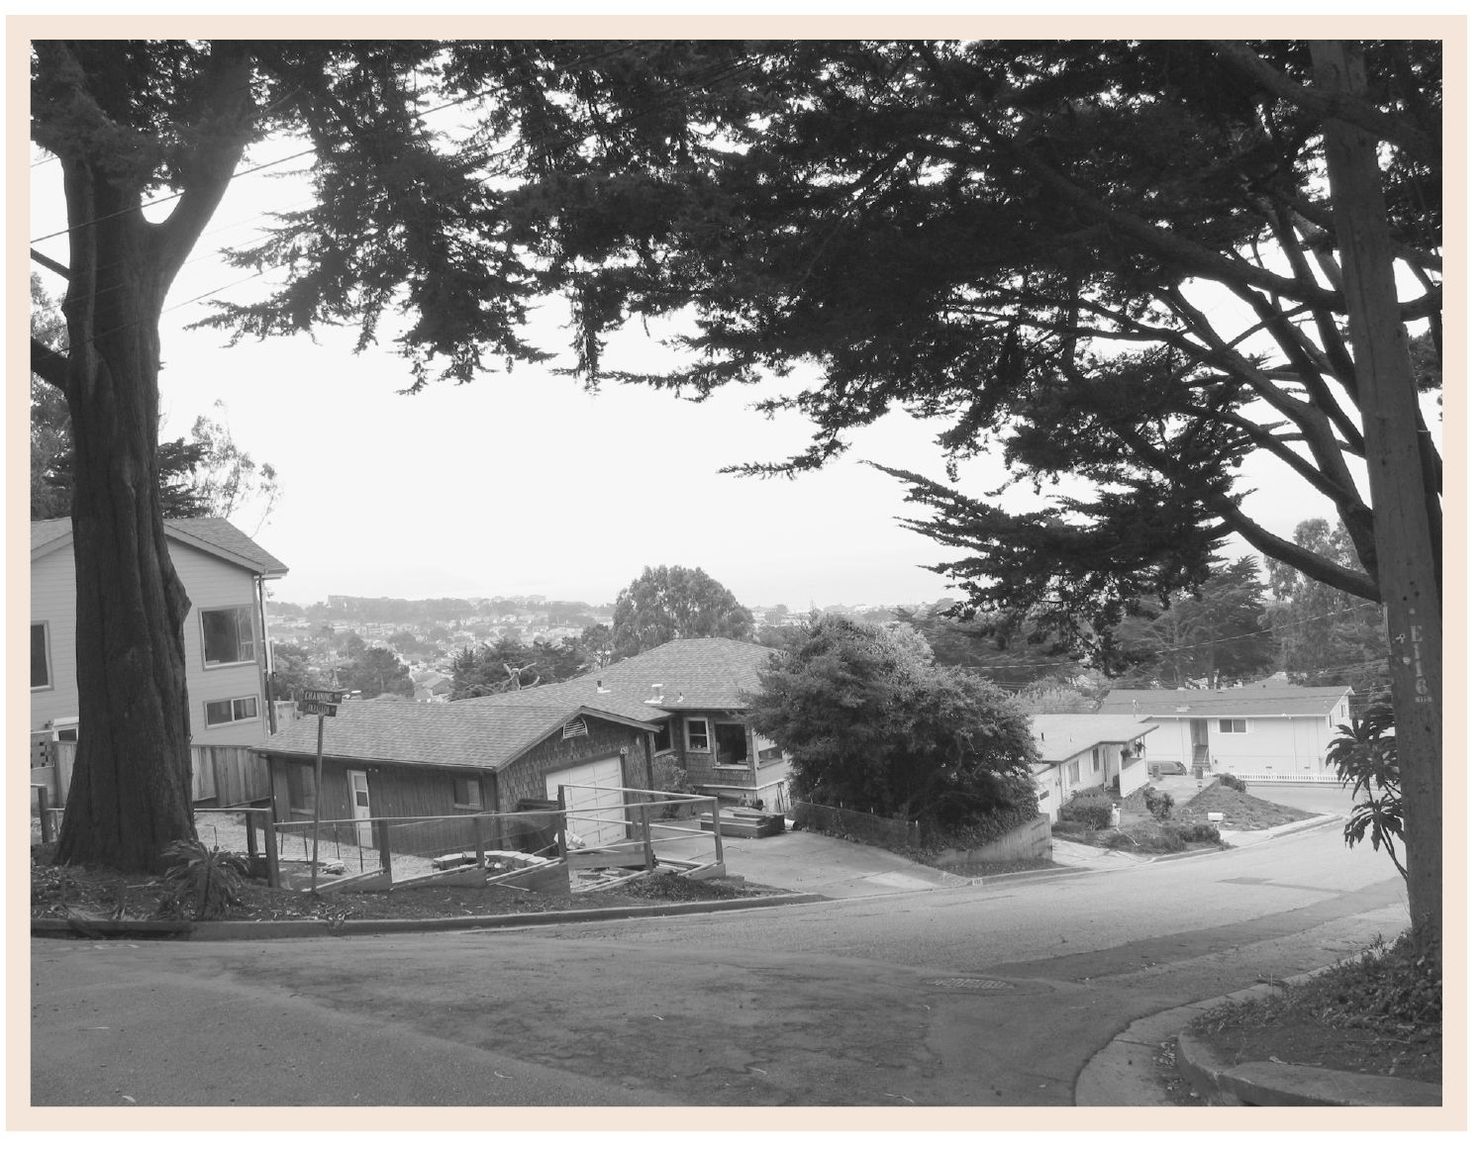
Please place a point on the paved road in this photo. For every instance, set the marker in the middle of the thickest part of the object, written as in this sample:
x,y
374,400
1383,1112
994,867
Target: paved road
x,y
991,995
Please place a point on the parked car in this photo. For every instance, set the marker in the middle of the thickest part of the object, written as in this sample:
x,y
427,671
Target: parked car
x,y
1161,766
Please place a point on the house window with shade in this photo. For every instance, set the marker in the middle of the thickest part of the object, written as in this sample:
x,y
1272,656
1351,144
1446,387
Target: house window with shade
x,y
226,636
697,735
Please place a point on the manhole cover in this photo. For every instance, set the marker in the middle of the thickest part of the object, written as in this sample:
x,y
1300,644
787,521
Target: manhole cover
x,y
968,983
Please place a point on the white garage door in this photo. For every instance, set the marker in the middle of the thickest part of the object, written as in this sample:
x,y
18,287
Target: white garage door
x,y
594,800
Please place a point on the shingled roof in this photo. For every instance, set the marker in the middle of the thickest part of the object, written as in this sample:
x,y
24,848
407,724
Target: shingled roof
x,y
1238,702
1062,736
432,734
214,536
692,673
489,732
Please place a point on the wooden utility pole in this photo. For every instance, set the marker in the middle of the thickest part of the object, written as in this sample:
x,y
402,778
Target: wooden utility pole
x,y
1407,523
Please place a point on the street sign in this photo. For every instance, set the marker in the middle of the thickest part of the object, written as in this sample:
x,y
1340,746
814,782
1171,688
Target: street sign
x,y
313,706
321,695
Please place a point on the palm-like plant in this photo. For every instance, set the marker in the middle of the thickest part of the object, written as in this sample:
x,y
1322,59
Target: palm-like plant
x,y
1364,757
205,878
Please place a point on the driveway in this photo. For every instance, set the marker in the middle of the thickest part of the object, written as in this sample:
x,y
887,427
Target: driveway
x,y
810,863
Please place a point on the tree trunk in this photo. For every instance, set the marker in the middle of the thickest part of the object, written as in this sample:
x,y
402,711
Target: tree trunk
x,y
1408,542
131,786
131,789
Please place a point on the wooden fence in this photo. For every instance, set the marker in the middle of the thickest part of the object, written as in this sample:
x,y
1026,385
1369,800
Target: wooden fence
x,y
220,775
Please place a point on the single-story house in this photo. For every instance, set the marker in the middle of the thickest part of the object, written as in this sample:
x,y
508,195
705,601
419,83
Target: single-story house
x,y
404,759
1267,732
1077,751
223,572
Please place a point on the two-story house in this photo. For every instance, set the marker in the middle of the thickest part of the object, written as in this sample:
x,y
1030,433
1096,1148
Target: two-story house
x,y
223,572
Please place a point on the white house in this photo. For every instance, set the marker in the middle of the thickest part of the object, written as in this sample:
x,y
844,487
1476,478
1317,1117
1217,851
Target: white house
x,y
223,572
1268,732
1076,751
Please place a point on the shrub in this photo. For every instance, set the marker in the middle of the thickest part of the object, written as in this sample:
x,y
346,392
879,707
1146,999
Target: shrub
x,y
1091,807
1159,803
1198,832
1232,781
202,881
1157,838
1073,831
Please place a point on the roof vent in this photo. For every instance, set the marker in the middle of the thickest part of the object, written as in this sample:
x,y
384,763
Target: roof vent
x,y
656,694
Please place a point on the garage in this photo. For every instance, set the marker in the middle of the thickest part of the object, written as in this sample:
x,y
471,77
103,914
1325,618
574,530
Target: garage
x,y
594,800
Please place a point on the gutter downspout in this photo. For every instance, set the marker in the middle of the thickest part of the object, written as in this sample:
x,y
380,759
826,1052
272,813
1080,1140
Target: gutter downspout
x,y
267,656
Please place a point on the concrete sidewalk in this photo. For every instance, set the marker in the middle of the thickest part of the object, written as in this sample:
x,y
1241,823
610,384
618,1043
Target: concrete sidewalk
x,y
813,863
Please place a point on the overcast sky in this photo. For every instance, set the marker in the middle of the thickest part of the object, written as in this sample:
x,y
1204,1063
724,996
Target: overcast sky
x,y
522,483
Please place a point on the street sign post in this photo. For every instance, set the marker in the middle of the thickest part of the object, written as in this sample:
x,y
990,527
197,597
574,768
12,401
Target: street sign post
x,y
321,703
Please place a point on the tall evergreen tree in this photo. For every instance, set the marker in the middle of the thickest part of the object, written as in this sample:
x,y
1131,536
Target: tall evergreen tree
x,y
1325,636
666,603
1215,635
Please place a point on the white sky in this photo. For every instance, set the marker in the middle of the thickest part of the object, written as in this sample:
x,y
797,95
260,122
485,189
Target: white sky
x,y
523,483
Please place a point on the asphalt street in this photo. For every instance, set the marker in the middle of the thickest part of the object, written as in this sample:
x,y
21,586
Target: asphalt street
x,y
989,995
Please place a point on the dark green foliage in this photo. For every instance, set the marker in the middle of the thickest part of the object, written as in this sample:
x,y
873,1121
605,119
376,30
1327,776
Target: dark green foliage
x,y
1364,758
666,603
1327,637
1214,634
201,882
1159,803
505,665
374,671
1012,654
871,724
1389,987
1091,807
1197,831
1231,781
1157,837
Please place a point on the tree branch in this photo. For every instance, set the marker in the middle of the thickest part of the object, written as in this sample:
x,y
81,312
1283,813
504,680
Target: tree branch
x,y
1412,138
49,365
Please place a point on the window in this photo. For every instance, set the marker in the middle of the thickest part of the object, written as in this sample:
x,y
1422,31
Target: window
x,y
1074,772
662,737
697,737
227,635
301,787
1232,725
731,744
466,793
41,661
770,753
227,710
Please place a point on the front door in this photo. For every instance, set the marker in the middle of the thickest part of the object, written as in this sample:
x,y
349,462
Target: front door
x,y
1200,746
360,806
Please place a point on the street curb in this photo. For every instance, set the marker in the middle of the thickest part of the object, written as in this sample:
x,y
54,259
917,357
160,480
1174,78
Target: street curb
x,y
1275,1083
315,927
1106,1080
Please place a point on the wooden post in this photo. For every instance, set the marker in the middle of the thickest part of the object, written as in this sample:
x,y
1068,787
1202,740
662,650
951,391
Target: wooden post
x,y
270,848
716,825
644,833
41,805
381,832
561,833
479,824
